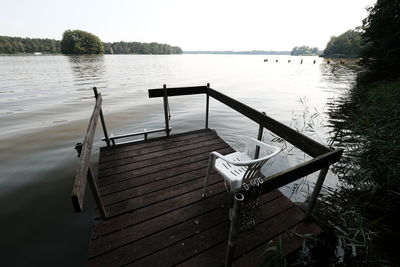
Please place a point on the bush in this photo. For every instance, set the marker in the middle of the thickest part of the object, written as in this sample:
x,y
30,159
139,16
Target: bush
x,y
81,42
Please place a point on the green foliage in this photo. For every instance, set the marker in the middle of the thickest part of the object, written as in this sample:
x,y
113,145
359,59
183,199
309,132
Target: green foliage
x,y
80,42
140,48
273,255
15,45
382,37
76,44
304,51
367,125
346,45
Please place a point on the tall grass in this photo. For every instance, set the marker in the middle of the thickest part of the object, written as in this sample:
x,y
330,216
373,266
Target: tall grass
x,y
365,208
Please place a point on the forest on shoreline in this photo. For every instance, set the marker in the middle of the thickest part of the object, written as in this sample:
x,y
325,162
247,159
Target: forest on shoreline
x,y
19,45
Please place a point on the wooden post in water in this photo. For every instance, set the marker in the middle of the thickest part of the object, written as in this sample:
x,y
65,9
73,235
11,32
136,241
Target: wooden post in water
x,y
207,104
165,100
93,186
103,124
315,193
259,137
233,229
96,194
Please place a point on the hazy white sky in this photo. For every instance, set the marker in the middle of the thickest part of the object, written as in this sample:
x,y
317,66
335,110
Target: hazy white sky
x,y
192,25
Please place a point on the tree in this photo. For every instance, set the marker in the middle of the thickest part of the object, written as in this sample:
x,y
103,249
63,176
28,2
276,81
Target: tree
x,y
140,48
81,42
304,51
347,44
382,37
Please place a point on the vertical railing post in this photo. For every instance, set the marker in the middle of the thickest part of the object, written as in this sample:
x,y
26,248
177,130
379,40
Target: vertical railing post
x,y
103,124
315,193
207,104
259,137
165,100
233,229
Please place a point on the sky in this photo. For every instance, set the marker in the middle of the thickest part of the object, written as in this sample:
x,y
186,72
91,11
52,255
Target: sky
x,y
216,25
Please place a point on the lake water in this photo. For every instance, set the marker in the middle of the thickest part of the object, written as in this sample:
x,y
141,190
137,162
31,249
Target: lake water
x,y
46,102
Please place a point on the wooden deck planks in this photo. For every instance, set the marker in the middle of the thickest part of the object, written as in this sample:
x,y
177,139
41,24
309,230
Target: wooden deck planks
x,y
152,191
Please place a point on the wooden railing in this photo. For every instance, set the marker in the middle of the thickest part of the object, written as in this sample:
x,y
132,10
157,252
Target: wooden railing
x,y
323,156
84,172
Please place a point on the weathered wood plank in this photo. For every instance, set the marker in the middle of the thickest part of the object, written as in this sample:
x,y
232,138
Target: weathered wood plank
x,y
155,186
247,241
109,160
154,141
154,210
160,240
272,223
78,191
102,244
192,90
144,170
168,174
128,235
188,181
131,204
123,165
187,248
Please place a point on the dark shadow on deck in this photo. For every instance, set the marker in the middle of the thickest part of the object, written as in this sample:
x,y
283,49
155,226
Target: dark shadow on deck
x,y
152,194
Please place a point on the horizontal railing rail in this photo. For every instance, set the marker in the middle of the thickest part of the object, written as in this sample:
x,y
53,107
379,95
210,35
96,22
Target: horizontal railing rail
x,y
294,137
145,133
84,173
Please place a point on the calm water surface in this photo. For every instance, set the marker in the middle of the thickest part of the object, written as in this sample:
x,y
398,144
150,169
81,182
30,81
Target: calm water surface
x,y
46,102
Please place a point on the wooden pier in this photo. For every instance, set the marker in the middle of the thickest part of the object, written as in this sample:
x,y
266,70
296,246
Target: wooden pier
x,y
151,212
152,193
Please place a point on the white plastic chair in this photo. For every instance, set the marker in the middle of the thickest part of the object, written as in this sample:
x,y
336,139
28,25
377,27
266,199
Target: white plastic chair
x,y
238,166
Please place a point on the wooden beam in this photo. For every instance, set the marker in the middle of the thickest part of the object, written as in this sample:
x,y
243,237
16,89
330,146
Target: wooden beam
x,y
78,191
315,193
292,174
294,137
96,193
193,90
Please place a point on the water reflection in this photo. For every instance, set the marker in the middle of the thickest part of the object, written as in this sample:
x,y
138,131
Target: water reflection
x,y
87,69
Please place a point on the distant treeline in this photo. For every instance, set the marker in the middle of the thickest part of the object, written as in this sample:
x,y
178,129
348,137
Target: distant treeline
x,y
17,45
305,51
253,52
140,48
14,45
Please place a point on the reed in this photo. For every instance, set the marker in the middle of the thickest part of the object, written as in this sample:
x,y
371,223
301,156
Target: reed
x,y
365,208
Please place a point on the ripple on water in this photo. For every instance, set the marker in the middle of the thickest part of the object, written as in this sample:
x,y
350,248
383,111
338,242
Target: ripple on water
x,y
46,102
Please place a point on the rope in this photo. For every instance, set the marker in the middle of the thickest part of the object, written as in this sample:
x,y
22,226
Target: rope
x,y
169,112
248,208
